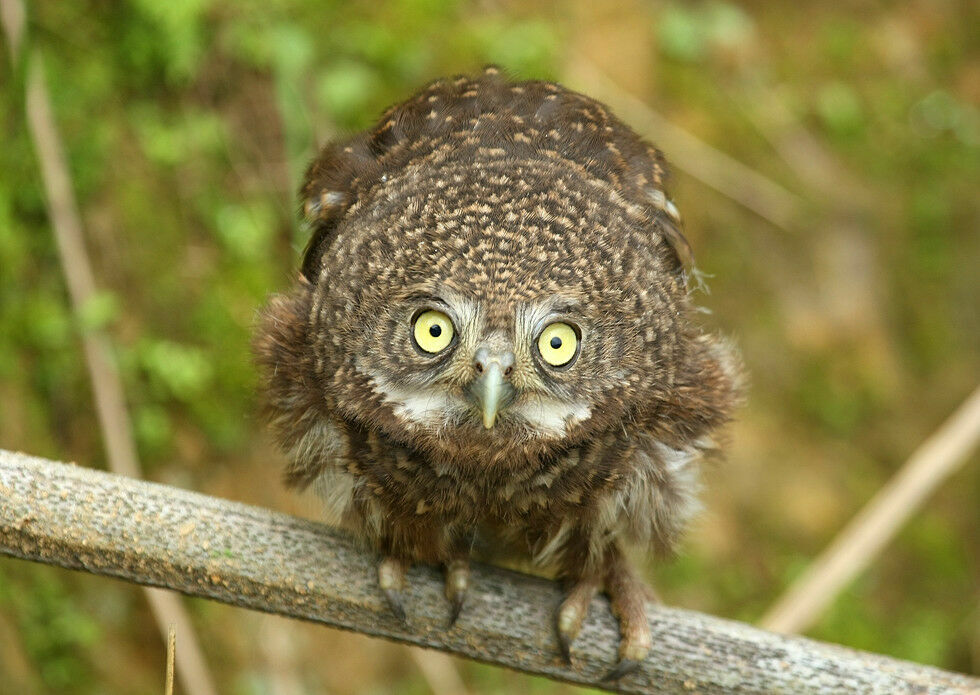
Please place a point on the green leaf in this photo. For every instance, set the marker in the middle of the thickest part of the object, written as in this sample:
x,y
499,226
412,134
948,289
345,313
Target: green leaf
x,y
246,230
840,108
154,430
184,371
682,34
345,89
98,311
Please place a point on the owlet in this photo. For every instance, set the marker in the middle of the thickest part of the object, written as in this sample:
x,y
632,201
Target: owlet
x,y
491,345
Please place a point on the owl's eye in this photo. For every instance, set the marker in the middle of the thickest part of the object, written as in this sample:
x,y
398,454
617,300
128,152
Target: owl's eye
x,y
558,344
433,331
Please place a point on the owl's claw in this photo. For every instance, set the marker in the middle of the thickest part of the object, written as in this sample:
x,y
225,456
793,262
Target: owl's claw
x,y
572,613
457,583
457,608
396,605
628,599
391,578
565,645
623,668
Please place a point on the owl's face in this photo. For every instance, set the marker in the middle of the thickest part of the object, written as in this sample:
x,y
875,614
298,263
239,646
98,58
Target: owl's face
x,y
460,313
464,365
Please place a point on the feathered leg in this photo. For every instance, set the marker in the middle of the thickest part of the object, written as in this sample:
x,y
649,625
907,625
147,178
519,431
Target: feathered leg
x,y
403,545
628,598
457,584
585,575
572,612
391,579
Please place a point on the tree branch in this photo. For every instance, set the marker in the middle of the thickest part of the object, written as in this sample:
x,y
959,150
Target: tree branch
x,y
247,556
863,539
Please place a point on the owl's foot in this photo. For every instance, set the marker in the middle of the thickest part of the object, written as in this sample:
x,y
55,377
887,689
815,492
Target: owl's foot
x,y
628,597
572,613
457,583
391,578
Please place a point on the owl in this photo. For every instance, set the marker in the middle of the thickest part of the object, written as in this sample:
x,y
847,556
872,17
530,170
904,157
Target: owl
x,y
491,348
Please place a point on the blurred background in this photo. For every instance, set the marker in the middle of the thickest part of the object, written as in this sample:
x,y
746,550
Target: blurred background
x,y
840,239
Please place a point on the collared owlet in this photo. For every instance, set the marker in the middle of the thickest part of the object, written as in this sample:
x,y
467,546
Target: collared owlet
x,y
491,346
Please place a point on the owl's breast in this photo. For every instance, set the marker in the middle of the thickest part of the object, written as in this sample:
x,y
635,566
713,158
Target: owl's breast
x,y
417,485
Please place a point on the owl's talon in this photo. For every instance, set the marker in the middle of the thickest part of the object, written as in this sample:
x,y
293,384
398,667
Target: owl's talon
x,y
565,645
457,608
623,668
572,612
391,578
457,584
396,605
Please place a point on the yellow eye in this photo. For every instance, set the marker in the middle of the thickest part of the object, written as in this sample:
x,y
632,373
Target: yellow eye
x,y
558,344
433,331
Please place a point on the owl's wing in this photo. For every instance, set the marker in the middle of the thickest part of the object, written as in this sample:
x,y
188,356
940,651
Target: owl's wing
x,y
329,190
314,441
659,495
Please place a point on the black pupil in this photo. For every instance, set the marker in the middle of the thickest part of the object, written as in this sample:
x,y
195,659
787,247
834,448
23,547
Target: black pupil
x,y
435,330
556,342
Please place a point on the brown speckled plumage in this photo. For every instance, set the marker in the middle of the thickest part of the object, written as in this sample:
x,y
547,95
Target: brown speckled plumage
x,y
504,206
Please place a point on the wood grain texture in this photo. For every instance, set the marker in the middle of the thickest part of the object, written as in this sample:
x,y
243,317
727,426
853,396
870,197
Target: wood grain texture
x,y
246,556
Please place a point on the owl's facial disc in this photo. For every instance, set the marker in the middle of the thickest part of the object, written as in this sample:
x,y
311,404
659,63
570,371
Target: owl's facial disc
x,y
492,389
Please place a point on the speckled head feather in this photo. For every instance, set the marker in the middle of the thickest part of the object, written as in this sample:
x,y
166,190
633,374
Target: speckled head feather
x,y
504,210
487,119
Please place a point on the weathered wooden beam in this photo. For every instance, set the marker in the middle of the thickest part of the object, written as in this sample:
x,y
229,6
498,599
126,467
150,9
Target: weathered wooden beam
x,y
157,535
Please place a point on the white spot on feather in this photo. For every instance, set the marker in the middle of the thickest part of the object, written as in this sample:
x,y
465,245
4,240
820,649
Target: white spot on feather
x,y
553,548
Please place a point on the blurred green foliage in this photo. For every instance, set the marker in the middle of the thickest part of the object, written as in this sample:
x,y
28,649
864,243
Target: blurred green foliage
x,y
54,629
189,123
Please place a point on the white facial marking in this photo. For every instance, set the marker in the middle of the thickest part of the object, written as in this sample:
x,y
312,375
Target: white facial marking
x,y
550,416
427,406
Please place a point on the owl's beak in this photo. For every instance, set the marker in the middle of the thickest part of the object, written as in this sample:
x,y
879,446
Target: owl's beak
x,y
491,389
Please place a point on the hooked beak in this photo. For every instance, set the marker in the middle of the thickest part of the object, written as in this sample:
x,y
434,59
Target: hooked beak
x,y
491,390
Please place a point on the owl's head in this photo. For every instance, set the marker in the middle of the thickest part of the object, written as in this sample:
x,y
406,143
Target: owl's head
x,y
495,271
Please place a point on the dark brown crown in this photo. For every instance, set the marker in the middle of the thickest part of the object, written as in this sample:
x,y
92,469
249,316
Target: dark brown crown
x,y
526,120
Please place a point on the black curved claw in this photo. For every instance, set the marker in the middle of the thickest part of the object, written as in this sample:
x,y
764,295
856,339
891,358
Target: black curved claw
x,y
395,603
457,608
623,668
565,644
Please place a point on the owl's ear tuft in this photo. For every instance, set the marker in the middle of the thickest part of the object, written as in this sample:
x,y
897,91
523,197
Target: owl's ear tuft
x,y
328,191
